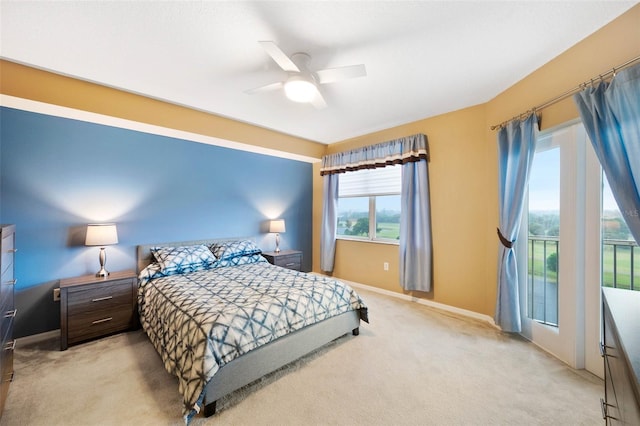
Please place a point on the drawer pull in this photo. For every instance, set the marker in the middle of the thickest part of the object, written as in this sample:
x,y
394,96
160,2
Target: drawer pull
x,y
11,314
100,321
12,282
605,410
10,346
290,264
603,350
100,299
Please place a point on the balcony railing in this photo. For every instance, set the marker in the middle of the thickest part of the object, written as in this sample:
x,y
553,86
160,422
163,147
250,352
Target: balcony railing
x,y
620,269
542,284
621,264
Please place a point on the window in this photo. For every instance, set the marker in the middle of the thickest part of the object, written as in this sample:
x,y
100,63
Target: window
x,y
620,252
369,204
544,233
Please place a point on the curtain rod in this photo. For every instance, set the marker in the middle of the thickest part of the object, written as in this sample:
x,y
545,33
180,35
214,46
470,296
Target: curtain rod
x,y
568,93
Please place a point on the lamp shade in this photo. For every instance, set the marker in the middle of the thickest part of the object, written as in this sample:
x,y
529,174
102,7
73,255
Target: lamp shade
x,y
101,234
277,226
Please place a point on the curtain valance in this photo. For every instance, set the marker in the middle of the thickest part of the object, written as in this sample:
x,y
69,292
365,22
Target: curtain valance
x,y
399,151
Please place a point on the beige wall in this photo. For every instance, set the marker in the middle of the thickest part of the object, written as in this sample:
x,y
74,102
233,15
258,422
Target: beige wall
x,y
463,174
458,174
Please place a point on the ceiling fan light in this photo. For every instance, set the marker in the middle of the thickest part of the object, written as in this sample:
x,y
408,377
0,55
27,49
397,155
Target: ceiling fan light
x,y
299,89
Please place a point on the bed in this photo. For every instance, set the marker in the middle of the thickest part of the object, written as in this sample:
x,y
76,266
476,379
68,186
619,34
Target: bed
x,y
221,317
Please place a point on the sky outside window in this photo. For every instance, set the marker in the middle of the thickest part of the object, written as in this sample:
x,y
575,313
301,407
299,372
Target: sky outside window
x,y
544,181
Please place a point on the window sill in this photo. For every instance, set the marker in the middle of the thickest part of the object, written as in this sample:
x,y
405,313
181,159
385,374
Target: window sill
x,y
362,240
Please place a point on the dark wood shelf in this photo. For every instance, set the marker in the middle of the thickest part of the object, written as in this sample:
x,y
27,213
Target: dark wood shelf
x,y
7,308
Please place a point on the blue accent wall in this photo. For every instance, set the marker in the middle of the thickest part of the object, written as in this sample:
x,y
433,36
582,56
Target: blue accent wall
x,y
59,174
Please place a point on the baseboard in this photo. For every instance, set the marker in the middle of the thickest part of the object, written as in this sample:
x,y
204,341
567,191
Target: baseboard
x,y
426,302
35,338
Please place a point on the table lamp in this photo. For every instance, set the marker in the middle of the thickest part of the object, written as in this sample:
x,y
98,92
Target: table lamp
x,y
101,234
277,226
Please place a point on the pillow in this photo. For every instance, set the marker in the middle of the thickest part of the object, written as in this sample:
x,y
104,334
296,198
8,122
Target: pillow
x,y
239,260
183,259
231,249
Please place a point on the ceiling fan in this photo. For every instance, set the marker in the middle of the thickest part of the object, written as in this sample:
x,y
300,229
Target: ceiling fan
x,y
302,84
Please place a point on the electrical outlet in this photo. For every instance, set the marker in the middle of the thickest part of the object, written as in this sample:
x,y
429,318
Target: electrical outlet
x,y
56,294
385,266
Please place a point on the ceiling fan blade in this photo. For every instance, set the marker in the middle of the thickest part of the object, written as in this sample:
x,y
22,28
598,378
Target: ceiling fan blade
x,y
318,101
267,88
332,75
279,56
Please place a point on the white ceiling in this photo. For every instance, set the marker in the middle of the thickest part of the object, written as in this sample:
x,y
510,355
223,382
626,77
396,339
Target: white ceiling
x,y
423,58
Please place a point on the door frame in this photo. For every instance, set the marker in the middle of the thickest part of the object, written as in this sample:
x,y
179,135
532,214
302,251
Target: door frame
x,y
576,338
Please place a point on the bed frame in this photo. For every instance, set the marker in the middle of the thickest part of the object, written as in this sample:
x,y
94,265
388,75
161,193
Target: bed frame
x,y
270,357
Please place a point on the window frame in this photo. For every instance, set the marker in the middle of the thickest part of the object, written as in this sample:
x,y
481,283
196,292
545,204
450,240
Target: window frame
x,y
372,237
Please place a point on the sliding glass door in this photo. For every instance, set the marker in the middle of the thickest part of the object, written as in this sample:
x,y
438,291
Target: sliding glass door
x,y
558,248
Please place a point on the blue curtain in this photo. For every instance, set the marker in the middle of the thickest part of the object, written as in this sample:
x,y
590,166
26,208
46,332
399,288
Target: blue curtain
x,y
415,228
329,222
611,115
516,147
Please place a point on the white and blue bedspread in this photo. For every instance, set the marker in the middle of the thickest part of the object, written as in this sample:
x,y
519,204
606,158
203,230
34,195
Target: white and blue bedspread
x,y
202,320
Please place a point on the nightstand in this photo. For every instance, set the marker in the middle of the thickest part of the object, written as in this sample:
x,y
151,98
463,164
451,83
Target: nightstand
x,y
290,259
93,306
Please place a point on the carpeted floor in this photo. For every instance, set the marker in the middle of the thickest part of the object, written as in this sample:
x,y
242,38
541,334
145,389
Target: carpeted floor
x,y
412,365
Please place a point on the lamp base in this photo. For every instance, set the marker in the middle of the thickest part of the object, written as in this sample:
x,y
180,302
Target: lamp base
x,y
103,260
102,273
277,250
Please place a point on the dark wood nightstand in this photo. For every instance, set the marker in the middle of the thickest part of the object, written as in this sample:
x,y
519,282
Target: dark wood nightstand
x,y
290,259
93,306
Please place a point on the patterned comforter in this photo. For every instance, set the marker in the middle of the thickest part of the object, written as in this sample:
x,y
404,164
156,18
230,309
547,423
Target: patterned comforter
x,y
202,320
